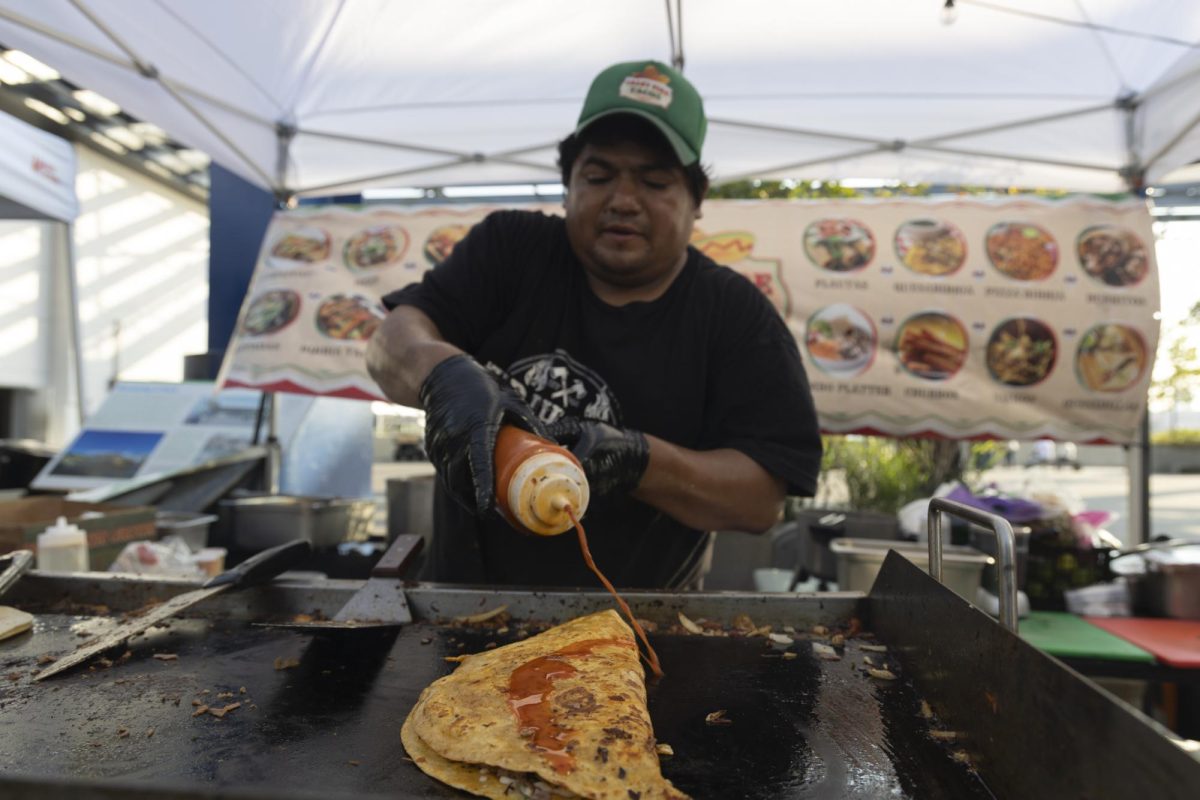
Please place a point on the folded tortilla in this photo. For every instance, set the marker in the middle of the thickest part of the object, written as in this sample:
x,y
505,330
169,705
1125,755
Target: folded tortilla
x,y
561,714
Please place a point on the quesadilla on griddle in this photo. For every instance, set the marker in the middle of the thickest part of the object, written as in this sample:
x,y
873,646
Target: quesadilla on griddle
x,y
561,714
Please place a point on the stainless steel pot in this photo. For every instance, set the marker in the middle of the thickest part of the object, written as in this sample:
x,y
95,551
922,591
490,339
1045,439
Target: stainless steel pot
x,y
1161,588
1171,590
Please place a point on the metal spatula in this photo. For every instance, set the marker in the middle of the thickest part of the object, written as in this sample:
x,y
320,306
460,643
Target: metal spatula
x,y
380,603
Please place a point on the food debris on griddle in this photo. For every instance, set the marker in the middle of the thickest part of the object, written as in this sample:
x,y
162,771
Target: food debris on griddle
x,y
166,657
825,652
688,625
717,718
282,663
46,658
483,616
221,712
882,674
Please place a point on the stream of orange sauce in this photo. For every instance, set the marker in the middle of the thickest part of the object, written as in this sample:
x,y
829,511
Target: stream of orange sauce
x,y
650,656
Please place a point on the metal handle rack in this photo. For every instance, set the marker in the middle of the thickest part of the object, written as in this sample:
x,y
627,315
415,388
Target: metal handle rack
x,y
1006,550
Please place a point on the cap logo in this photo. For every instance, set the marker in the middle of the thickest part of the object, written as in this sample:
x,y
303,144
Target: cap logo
x,y
647,86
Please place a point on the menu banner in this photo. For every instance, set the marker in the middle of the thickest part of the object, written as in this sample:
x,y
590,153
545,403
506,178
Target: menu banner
x,y
961,318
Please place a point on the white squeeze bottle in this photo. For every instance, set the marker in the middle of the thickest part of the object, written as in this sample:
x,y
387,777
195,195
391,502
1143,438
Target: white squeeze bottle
x,y
62,547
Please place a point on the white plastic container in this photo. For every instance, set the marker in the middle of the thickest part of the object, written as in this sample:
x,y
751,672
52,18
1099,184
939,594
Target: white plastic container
x,y
62,547
859,561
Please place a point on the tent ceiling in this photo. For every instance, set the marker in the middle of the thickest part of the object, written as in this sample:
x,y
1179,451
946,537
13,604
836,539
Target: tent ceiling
x,y
322,96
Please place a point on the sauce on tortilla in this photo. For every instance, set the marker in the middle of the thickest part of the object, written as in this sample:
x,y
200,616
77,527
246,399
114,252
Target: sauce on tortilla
x,y
529,689
529,698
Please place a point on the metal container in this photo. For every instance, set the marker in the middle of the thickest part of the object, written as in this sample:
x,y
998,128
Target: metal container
x,y
1164,577
825,526
1172,590
256,523
859,561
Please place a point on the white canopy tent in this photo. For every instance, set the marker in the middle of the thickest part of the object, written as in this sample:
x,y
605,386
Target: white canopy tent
x,y
319,97
331,96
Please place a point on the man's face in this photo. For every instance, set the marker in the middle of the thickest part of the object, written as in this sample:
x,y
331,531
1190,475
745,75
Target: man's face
x,y
629,215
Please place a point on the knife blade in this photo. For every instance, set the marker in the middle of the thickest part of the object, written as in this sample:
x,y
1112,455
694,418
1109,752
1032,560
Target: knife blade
x,y
257,569
15,564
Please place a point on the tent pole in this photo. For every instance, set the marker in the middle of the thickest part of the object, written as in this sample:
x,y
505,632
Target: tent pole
x,y
1138,459
284,134
68,245
1139,453
1017,123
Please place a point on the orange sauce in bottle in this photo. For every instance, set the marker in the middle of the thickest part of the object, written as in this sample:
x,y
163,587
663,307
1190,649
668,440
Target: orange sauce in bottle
x,y
535,482
541,489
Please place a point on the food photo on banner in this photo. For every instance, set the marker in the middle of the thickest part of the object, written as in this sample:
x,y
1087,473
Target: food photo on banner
x,y
959,318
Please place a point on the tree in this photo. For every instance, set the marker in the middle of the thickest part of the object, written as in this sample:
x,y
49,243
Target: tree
x,y
1177,371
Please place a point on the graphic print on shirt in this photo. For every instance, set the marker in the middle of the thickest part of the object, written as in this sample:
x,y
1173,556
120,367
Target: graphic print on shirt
x,y
555,385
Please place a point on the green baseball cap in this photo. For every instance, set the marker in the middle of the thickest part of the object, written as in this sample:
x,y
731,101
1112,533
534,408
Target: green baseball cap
x,y
653,91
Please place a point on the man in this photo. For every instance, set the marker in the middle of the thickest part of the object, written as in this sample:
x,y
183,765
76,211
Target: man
x,y
672,379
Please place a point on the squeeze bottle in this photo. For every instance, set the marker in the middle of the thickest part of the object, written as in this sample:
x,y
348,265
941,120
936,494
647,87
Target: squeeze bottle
x,y
535,482
62,547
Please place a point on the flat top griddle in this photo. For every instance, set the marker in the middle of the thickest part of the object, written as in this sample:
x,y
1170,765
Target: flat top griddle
x,y
801,727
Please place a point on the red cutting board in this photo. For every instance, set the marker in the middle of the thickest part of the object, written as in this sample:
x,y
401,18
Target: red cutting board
x,y
1175,642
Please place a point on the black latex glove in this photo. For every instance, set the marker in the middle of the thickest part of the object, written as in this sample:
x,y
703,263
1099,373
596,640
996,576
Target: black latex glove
x,y
464,409
613,459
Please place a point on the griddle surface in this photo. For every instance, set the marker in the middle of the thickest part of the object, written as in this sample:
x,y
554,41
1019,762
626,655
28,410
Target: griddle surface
x,y
800,728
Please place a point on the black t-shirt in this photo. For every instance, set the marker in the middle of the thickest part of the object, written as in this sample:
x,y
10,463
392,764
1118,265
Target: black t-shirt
x,y
709,364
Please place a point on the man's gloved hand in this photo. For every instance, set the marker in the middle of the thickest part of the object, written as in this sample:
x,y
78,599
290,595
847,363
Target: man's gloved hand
x,y
613,459
465,407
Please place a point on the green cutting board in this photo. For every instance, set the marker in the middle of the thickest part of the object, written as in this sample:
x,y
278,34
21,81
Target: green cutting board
x,y
1068,636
